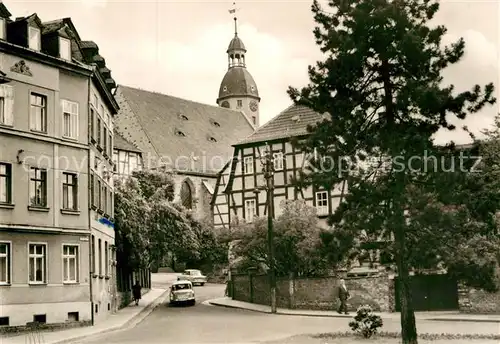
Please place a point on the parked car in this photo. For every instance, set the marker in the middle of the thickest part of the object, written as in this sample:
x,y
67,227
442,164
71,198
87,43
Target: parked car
x,y
194,276
181,292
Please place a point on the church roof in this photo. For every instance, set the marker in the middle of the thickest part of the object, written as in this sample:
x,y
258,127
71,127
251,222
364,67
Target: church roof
x,y
236,44
197,137
120,143
292,122
238,82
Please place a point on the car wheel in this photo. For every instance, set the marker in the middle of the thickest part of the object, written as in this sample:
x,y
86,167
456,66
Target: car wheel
x,y
193,302
202,284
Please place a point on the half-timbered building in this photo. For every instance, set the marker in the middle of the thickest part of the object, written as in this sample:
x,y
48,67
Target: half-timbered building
x,y
236,197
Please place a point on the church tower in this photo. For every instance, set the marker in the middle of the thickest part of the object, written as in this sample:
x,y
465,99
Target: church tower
x,y
238,90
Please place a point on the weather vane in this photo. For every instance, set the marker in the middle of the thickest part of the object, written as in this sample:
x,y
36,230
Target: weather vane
x,y
233,11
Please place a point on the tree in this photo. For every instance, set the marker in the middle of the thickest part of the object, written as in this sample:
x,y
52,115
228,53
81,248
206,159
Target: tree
x,y
297,242
149,226
131,230
381,85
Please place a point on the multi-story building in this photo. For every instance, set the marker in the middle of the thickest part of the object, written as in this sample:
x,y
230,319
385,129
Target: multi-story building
x,y
45,219
102,109
127,158
235,197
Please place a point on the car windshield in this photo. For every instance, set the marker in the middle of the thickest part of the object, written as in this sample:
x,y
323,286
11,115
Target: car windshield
x,y
184,286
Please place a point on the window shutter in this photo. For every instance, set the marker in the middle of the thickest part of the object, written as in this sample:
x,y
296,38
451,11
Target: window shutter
x,y
8,94
74,120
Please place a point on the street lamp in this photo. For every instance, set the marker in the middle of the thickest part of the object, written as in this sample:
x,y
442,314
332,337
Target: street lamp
x,y
267,162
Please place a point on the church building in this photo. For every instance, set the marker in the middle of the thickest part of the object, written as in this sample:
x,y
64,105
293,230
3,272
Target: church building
x,y
191,139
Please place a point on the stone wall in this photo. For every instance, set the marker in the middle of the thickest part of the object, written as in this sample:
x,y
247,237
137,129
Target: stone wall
x,y
478,301
316,293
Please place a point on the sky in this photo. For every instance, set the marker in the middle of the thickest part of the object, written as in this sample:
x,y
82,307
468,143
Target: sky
x,y
179,47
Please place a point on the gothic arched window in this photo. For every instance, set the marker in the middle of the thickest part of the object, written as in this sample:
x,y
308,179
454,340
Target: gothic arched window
x,y
186,195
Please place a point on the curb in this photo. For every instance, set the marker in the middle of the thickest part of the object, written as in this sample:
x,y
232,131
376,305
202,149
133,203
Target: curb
x,y
130,323
214,303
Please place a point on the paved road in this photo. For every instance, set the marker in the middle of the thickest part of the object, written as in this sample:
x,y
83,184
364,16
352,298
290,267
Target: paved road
x,y
211,324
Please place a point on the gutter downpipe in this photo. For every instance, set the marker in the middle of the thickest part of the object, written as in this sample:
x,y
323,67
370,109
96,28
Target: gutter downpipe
x,y
91,267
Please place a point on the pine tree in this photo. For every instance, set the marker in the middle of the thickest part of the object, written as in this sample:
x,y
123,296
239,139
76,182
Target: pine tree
x,y
381,84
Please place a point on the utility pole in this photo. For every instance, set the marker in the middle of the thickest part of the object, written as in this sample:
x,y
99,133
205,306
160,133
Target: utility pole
x,y
268,169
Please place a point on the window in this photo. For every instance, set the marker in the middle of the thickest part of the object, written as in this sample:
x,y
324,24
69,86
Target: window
x,y
37,263
110,203
34,38
254,120
105,201
103,197
99,204
106,259
70,264
105,139
123,167
5,183
65,48
38,112
98,131
93,255
6,105
322,202
70,191
99,248
110,144
95,101
133,162
278,161
92,124
92,181
239,103
70,119
38,187
2,29
4,263
248,164
249,209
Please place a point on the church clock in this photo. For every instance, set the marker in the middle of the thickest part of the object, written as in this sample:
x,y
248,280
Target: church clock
x,y
253,105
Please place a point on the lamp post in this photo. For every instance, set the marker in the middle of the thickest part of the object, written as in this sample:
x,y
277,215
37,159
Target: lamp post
x,y
267,162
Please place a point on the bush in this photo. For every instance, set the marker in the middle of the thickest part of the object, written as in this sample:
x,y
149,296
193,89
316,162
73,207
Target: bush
x,y
365,322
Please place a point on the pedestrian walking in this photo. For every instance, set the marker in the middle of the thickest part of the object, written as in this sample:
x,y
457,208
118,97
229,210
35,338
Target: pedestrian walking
x,y
343,297
136,292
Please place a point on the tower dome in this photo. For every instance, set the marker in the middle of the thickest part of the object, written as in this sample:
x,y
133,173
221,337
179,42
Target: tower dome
x,y
236,44
238,89
238,82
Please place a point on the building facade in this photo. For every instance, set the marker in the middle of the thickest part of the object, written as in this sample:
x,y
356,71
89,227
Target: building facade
x,y
44,174
127,158
235,197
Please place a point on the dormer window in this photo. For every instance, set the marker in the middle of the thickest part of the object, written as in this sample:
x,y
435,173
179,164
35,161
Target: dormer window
x,y
2,29
212,139
65,48
34,38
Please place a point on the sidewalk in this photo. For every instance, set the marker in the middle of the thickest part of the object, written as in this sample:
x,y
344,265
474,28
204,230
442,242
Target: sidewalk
x,y
435,316
124,318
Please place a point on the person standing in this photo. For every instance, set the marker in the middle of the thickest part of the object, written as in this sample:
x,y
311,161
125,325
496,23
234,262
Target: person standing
x,y
343,297
136,292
